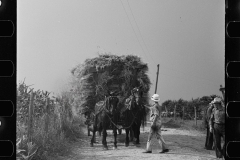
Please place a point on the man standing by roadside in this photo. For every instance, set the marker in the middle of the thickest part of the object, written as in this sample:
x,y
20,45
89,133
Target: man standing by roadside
x,y
209,136
217,126
156,124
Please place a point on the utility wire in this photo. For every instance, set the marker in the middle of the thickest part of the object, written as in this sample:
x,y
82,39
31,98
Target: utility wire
x,y
132,28
147,47
139,30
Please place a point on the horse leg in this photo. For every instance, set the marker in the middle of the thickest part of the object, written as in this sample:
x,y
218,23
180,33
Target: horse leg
x,y
115,137
119,131
127,138
137,134
93,136
104,137
131,134
88,129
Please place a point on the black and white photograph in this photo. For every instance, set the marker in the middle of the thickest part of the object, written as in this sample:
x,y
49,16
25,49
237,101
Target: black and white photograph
x,y
120,79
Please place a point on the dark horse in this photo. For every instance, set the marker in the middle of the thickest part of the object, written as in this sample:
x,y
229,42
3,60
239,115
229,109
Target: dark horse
x,y
134,115
106,117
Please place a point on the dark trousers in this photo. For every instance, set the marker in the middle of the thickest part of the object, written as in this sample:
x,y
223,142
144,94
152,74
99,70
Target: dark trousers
x,y
219,132
209,140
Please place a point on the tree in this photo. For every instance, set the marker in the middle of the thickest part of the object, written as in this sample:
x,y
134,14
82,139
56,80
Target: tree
x,y
167,104
181,105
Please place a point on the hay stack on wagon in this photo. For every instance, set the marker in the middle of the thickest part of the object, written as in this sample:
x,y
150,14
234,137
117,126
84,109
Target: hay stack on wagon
x,y
96,77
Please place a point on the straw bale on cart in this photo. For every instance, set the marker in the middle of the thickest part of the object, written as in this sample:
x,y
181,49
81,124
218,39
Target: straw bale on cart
x,y
97,77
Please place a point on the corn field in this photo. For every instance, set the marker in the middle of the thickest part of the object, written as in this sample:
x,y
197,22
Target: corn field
x,y
44,125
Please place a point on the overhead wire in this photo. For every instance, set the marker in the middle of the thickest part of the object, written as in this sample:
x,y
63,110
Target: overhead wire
x,y
132,27
194,76
147,47
141,34
139,30
151,58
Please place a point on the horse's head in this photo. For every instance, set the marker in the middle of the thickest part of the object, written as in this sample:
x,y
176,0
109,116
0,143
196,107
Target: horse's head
x,y
134,104
111,103
136,93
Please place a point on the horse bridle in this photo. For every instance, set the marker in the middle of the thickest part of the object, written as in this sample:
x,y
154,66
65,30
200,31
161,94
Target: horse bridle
x,y
135,116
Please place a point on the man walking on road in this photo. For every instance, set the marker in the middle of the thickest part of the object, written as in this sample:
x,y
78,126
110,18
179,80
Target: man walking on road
x,y
156,124
209,136
217,127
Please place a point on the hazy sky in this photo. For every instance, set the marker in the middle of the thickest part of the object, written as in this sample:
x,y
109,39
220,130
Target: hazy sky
x,y
186,37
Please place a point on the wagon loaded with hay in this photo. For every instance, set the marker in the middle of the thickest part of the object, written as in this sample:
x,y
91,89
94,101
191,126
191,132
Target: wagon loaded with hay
x,y
98,77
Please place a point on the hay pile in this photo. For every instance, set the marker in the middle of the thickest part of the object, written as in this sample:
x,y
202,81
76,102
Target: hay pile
x,y
96,77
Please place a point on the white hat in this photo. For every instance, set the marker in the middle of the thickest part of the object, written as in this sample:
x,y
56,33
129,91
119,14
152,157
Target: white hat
x,y
216,100
155,98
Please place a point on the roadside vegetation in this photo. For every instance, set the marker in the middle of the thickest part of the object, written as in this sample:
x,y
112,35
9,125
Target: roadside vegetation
x,y
51,132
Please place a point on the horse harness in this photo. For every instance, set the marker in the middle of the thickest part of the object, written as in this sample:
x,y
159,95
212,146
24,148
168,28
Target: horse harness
x,y
102,108
121,127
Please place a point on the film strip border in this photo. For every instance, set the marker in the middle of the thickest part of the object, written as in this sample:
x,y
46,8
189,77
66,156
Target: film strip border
x,y
232,78
8,46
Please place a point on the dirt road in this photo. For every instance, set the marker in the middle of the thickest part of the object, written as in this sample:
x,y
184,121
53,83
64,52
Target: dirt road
x,y
183,145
